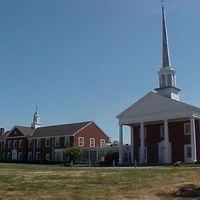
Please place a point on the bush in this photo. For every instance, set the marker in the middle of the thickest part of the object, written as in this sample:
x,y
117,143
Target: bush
x,y
177,164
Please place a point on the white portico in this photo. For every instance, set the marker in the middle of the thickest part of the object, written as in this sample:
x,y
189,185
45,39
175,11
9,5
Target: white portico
x,y
152,109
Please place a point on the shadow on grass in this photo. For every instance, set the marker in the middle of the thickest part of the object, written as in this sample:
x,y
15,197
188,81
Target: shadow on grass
x,y
186,191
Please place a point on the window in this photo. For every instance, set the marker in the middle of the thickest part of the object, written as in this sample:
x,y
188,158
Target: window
x,y
15,144
30,143
20,156
57,142
163,81
67,141
37,155
30,156
9,155
162,131
20,143
189,151
38,143
80,141
4,144
47,142
9,144
92,142
47,157
102,142
187,128
169,80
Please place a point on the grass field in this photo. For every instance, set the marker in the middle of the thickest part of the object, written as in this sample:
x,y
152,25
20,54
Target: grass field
x,y
18,181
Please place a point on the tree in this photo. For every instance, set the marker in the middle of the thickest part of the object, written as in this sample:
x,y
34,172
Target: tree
x,y
73,153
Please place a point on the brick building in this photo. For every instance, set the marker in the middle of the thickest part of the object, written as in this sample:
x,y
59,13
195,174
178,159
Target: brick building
x,y
162,128
47,144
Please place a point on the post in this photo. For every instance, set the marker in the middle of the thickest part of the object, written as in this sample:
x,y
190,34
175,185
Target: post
x,y
141,142
120,143
132,145
166,141
193,139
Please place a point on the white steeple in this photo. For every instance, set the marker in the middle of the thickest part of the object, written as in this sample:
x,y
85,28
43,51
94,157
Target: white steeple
x,y
36,119
167,75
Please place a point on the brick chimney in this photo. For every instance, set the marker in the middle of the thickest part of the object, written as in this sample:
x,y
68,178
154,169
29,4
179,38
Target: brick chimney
x,y
1,131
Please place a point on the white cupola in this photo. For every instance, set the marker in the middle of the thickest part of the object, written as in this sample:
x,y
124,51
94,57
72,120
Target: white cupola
x,y
167,75
36,119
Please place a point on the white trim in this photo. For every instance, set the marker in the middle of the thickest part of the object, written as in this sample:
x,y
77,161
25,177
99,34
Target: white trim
x,y
102,143
20,156
30,153
38,144
186,128
38,153
82,128
57,139
67,139
81,145
186,158
92,140
47,139
21,144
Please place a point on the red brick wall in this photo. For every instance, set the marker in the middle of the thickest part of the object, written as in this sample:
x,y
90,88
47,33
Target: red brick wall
x,y
197,128
91,131
153,138
176,137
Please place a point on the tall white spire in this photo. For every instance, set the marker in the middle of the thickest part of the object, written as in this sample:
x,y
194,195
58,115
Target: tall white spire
x,y
167,75
36,119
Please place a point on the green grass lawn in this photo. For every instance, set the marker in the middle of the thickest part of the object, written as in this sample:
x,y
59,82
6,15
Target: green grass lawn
x,y
20,181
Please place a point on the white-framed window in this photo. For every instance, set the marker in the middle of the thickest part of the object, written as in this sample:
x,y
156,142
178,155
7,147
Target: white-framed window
x,y
102,142
57,142
30,156
187,128
47,157
38,144
47,142
30,143
20,156
9,155
37,155
92,142
20,143
67,141
162,131
9,144
15,144
81,141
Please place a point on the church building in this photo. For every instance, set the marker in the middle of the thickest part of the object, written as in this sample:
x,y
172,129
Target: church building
x,y
163,129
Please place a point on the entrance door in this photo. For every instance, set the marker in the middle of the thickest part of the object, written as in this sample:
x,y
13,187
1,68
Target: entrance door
x,y
188,153
14,154
161,152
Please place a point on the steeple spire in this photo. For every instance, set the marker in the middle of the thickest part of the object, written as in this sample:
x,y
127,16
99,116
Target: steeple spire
x,y
36,119
167,75
165,46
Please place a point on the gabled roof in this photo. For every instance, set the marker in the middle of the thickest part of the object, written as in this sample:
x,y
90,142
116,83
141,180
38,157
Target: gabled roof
x,y
153,107
60,130
26,131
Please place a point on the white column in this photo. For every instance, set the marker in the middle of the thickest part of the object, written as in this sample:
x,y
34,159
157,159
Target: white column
x,y
166,141
141,143
120,143
193,139
132,144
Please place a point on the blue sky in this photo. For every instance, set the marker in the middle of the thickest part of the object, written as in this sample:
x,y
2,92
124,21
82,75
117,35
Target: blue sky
x,y
84,60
